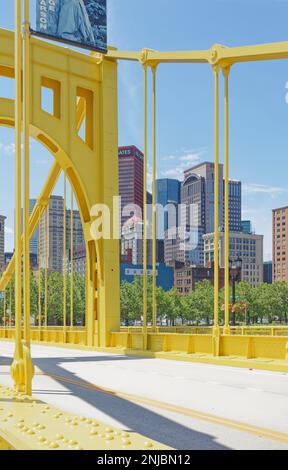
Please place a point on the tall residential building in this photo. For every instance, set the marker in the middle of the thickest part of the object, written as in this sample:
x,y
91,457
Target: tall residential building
x,y
279,240
54,218
2,239
248,247
130,180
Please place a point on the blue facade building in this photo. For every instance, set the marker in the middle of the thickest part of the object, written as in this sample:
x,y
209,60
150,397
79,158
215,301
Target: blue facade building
x,y
246,226
165,274
267,272
168,192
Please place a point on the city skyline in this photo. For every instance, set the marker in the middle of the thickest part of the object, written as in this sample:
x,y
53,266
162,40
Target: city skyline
x,y
9,243
185,135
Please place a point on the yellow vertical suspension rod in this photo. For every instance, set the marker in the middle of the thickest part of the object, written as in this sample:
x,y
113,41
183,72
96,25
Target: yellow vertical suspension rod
x,y
72,261
154,220
26,124
145,214
29,368
64,260
216,330
226,72
17,368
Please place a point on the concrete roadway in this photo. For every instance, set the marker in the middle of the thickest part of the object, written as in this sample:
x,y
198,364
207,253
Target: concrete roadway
x,y
183,405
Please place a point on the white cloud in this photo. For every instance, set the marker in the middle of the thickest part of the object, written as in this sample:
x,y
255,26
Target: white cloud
x,y
176,173
182,163
254,188
191,158
7,149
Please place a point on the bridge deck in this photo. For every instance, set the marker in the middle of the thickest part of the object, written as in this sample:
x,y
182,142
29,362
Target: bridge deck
x,y
181,405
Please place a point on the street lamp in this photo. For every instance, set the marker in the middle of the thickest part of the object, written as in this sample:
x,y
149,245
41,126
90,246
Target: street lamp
x,y
235,269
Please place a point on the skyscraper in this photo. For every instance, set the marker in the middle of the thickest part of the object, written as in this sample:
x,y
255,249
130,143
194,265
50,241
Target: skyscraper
x,y
235,205
193,195
2,240
168,192
197,192
279,240
130,180
206,171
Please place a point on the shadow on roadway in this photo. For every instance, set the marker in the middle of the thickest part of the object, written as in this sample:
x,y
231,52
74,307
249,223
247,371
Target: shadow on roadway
x,y
133,416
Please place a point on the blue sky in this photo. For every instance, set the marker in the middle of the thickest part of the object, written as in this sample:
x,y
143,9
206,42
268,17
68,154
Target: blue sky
x,y
259,111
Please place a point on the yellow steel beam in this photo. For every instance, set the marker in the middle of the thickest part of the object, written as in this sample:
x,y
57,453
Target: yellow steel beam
x,y
272,51
217,54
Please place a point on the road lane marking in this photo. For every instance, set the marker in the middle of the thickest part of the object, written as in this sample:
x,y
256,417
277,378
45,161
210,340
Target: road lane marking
x,y
240,426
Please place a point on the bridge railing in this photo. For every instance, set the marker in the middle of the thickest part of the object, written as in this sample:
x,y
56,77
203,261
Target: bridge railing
x,y
256,330
52,334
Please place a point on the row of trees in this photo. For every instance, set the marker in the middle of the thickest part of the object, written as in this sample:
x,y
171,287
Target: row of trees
x,y
55,299
265,303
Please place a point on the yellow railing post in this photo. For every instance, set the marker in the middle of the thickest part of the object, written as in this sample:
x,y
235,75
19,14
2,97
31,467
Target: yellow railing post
x,y
18,368
154,204
145,215
216,329
226,72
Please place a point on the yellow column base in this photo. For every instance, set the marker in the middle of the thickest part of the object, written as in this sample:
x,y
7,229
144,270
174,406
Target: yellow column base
x,y
216,341
22,370
226,330
145,340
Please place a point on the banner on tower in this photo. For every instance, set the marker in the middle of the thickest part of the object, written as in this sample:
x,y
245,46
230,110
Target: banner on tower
x,y
82,23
